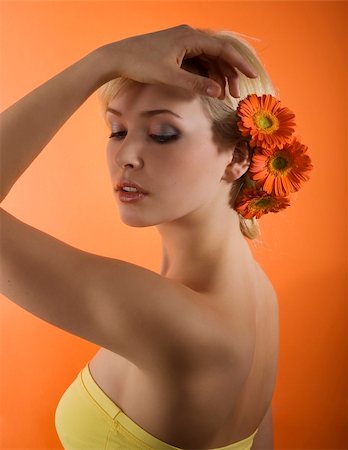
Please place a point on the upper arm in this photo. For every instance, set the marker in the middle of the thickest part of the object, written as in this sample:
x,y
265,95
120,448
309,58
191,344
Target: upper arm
x,y
125,308
264,437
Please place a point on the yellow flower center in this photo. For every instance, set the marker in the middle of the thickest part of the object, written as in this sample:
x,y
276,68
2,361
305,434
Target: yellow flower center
x,y
266,121
262,203
280,163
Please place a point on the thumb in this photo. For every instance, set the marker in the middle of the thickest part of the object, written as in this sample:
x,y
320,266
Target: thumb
x,y
196,83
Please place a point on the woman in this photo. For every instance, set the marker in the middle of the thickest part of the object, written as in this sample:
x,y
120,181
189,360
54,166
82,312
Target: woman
x,y
189,356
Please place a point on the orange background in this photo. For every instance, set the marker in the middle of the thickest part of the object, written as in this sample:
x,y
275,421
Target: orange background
x,y
66,193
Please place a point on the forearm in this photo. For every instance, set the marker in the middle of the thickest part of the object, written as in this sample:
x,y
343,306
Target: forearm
x,y
28,125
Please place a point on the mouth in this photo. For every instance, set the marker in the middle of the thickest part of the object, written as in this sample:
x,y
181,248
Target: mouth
x,y
130,197
130,187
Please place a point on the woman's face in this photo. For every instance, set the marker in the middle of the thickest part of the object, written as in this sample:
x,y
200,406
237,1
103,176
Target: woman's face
x,y
181,175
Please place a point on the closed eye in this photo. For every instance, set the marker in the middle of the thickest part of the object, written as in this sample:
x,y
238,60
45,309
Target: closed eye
x,y
159,138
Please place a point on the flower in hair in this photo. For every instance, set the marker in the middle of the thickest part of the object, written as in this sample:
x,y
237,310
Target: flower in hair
x,y
255,203
281,171
266,121
279,164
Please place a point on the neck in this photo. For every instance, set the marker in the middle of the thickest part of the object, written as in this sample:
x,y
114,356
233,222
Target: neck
x,y
199,249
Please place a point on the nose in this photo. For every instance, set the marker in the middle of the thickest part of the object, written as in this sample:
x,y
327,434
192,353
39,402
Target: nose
x,y
128,154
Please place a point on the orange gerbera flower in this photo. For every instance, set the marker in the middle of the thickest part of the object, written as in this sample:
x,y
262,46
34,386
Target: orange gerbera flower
x,y
266,121
255,203
281,171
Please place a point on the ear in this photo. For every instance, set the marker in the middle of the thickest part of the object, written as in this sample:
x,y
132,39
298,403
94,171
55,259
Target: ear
x,y
240,161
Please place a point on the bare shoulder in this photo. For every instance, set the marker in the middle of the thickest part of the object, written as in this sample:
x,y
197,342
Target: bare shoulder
x,y
125,308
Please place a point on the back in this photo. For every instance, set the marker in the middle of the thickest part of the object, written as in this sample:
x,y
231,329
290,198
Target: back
x,y
256,395
87,418
185,413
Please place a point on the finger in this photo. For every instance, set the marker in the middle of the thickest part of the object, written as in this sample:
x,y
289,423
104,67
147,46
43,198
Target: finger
x,y
219,77
232,79
214,72
219,70
214,47
231,54
190,81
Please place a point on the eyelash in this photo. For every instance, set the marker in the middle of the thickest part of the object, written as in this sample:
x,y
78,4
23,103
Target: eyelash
x,y
156,137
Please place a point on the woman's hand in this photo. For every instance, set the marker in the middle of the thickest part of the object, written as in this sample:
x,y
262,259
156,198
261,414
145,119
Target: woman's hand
x,y
156,58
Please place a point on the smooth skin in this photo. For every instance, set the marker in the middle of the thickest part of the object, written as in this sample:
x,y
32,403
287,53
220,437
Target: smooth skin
x,y
97,298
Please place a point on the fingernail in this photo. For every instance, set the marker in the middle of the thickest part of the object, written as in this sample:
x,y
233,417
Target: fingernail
x,y
212,91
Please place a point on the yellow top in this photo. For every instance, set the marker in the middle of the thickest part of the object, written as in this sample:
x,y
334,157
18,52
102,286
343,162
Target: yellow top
x,y
87,419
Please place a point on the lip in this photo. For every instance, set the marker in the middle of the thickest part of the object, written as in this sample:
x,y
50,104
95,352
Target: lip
x,y
130,197
129,183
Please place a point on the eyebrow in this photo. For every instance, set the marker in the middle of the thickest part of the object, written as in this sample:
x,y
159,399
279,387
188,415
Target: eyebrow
x,y
145,113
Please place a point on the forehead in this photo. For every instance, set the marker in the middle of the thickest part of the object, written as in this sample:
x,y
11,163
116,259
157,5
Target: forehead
x,y
142,97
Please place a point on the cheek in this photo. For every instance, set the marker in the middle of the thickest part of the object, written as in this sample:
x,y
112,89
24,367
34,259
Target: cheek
x,y
200,165
110,156
193,173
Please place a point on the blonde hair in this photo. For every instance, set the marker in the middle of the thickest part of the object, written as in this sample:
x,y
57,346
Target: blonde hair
x,y
221,112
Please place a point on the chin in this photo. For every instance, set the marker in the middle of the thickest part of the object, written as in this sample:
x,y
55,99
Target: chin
x,y
137,217
136,220
138,225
